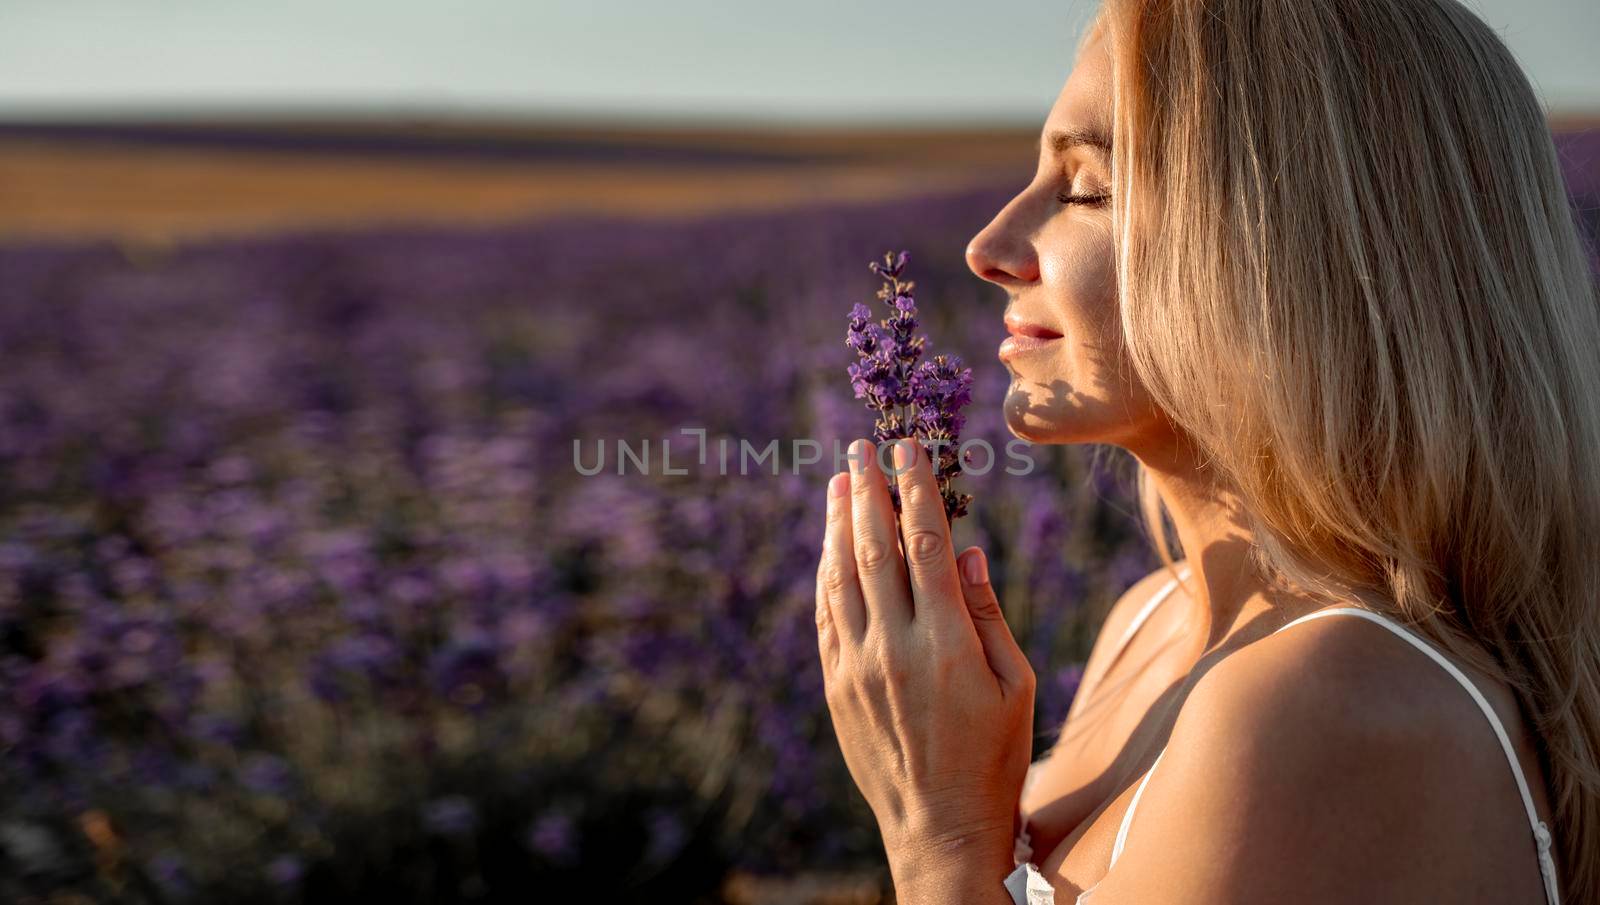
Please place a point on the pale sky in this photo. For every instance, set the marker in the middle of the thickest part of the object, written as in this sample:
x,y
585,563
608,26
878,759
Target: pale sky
x,y
792,60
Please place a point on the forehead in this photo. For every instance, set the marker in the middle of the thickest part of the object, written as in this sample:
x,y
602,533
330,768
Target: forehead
x,y
1084,102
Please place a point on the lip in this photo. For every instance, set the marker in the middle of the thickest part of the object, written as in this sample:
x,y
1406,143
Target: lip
x,y
1026,336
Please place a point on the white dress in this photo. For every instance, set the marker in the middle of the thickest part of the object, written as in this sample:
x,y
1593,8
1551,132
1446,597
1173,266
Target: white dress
x,y
1029,887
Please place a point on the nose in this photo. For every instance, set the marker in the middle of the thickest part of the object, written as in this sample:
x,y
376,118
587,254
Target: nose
x,y
1003,253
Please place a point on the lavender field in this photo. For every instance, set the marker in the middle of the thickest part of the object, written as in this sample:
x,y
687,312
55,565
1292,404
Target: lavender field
x,y
302,596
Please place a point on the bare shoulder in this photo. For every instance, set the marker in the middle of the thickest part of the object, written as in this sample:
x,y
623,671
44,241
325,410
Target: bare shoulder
x,y
1347,675
1330,762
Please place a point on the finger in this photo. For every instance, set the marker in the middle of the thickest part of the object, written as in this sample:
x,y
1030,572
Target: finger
x,y
1006,659
837,584
880,570
827,636
931,564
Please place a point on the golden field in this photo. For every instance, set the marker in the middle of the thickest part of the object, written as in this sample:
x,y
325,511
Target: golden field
x,y
173,181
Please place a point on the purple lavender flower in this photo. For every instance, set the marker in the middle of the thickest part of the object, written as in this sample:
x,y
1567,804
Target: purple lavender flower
x,y
940,389
911,397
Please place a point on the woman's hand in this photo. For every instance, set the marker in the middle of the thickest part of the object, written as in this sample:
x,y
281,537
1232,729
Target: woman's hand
x,y
932,699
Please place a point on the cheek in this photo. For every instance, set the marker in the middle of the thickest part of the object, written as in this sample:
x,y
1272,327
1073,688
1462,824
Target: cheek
x,y
1084,272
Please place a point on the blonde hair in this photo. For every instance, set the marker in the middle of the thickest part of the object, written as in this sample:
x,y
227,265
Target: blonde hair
x,y
1351,277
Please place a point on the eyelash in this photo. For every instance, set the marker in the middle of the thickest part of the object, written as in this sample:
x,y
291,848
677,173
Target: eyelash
x,y
1087,200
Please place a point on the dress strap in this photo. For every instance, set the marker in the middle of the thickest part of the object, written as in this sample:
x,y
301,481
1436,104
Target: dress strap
x,y
1138,620
1541,832
1149,607
1127,818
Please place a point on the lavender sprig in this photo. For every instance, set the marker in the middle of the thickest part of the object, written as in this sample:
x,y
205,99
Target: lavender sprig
x,y
911,397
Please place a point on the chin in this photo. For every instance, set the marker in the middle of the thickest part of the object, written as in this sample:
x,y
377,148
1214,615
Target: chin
x,y
1055,414
1029,418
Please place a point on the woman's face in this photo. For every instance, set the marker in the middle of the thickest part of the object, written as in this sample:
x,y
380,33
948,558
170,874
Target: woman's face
x,y
1051,249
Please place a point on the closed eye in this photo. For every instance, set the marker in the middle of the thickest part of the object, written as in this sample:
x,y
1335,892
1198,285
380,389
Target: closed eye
x,y
1087,200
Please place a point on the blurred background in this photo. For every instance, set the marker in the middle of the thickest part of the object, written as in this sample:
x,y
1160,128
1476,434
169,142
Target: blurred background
x,y
302,308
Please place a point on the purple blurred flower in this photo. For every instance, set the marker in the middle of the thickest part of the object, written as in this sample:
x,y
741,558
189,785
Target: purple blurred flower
x,y
667,836
467,670
171,874
267,774
553,836
452,815
286,870
1056,691
366,659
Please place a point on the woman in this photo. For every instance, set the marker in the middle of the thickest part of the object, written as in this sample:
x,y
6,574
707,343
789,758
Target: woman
x,y
1312,264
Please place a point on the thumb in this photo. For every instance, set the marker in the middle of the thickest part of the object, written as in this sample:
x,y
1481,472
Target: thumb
x,y
1006,659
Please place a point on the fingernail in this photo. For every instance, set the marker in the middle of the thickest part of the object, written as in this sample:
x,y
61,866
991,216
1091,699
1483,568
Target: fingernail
x,y
975,568
838,485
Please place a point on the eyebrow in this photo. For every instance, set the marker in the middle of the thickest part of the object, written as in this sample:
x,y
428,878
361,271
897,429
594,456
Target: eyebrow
x,y
1060,140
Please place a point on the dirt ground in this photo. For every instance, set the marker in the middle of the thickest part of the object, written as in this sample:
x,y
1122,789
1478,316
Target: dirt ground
x,y
176,180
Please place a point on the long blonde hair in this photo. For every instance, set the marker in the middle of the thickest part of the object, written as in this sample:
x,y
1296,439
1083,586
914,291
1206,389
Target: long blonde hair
x,y
1350,275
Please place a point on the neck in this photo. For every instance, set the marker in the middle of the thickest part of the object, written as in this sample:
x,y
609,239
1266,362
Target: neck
x,y
1215,536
